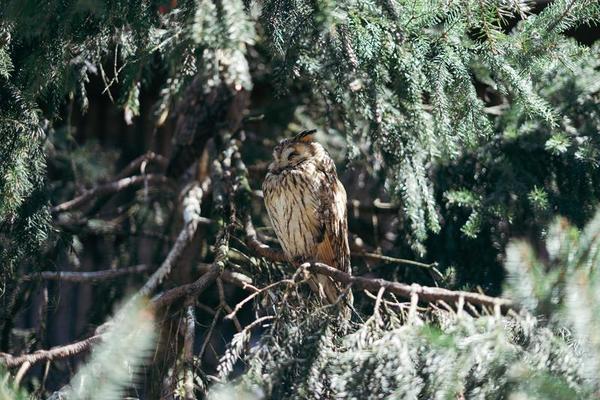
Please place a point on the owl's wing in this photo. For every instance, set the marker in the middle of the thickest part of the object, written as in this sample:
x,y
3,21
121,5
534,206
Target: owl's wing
x,y
333,249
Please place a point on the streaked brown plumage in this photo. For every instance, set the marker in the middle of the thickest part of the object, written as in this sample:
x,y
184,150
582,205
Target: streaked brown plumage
x,y
307,206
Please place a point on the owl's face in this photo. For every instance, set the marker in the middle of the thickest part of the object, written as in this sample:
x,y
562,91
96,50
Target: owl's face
x,y
290,153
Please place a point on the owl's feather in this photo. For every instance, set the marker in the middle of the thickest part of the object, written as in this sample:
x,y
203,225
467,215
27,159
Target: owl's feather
x,y
307,206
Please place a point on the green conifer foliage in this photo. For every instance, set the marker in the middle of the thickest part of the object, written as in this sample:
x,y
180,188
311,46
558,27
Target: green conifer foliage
x,y
533,354
476,120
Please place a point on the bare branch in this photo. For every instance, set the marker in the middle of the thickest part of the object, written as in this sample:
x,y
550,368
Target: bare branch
x,y
425,293
260,248
166,298
388,259
53,354
88,276
188,352
239,305
191,214
109,188
189,290
235,278
139,164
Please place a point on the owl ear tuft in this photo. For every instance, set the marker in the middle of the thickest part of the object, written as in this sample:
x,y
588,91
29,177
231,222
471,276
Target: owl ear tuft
x,y
306,136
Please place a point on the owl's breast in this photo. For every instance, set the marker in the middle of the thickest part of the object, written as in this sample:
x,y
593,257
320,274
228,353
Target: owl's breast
x,y
292,202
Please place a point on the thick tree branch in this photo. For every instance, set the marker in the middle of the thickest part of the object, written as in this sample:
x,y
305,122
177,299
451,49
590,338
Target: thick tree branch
x,y
425,293
191,215
260,248
190,290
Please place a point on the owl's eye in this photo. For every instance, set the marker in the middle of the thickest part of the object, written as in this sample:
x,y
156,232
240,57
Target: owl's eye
x,y
292,155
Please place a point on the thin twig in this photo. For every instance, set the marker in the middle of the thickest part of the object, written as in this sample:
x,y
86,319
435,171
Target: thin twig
x,y
223,304
239,305
257,322
388,259
209,335
377,206
390,303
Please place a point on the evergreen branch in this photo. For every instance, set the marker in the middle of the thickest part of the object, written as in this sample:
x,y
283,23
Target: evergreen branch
x,y
425,293
54,353
87,276
561,17
127,342
109,188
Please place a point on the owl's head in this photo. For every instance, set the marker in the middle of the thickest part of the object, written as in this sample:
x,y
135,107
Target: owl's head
x,y
289,153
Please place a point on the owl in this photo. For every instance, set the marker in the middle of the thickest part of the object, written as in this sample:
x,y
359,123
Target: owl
x,y
306,204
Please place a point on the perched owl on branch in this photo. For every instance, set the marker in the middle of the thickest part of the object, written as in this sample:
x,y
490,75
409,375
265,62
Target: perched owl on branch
x,y
307,206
